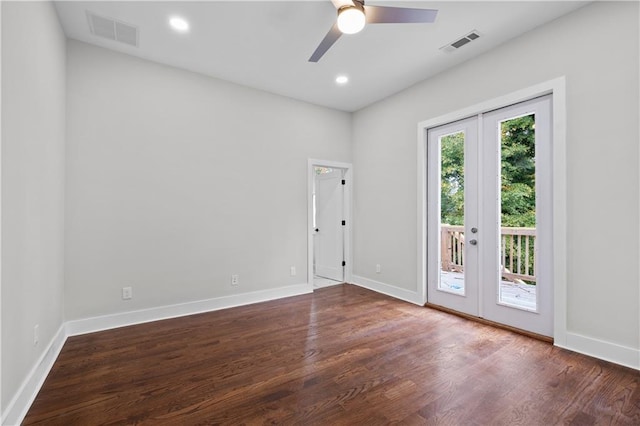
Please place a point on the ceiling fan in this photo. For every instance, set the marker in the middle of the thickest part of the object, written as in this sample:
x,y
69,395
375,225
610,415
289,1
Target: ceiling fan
x,y
353,15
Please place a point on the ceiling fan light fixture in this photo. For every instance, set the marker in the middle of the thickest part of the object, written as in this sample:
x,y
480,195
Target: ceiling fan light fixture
x,y
351,20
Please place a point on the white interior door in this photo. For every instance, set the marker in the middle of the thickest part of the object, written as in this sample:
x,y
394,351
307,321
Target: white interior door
x,y
489,216
329,231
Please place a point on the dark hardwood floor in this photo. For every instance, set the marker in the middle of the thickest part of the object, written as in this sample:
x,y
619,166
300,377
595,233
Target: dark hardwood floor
x,y
344,355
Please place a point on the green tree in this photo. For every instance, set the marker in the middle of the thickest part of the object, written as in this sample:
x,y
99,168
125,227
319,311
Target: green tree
x,y
518,172
518,175
452,180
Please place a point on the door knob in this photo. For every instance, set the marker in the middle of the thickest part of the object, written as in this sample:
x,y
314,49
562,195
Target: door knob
x,y
317,230
474,230
473,242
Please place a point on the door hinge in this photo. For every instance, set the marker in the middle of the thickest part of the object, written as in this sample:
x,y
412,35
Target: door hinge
x,y
344,182
344,222
344,263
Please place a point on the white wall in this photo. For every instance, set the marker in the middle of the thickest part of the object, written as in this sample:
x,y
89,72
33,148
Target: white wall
x,y
596,48
33,138
176,181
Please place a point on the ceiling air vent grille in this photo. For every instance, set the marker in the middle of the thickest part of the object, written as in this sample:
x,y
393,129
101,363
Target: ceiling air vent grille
x,y
112,29
473,35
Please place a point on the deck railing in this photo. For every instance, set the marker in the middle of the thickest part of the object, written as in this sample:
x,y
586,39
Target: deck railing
x,y
517,251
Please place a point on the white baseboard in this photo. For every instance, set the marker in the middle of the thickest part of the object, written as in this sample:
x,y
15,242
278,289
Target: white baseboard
x,y
22,400
389,290
19,406
107,322
612,352
607,351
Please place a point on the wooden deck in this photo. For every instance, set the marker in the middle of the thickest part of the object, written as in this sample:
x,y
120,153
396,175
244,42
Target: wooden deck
x,y
340,356
515,294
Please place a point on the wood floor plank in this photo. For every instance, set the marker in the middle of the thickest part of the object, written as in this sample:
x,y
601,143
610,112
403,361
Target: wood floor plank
x,y
342,355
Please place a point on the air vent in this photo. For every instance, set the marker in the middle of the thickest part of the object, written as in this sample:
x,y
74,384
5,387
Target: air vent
x,y
473,35
113,29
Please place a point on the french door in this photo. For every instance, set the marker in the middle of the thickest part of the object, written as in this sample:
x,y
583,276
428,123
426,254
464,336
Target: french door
x,y
489,217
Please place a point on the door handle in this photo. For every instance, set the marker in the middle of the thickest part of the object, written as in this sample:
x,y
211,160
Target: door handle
x,y
474,230
473,242
317,230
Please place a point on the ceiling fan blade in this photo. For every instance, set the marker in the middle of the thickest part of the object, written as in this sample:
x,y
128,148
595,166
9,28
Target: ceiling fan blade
x,y
398,15
328,40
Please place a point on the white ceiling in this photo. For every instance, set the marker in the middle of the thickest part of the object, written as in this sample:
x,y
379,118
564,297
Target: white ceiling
x,y
266,44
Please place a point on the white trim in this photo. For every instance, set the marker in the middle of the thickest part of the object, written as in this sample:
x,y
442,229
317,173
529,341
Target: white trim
x,y
612,352
348,203
422,215
19,405
559,213
557,87
518,96
481,215
388,289
107,322
1,411
21,402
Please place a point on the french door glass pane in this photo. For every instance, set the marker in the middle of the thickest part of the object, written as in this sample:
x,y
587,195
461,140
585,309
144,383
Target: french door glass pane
x,y
518,213
452,213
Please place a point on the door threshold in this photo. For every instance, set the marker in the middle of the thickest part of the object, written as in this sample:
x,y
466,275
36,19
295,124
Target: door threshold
x,y
530,334
320,282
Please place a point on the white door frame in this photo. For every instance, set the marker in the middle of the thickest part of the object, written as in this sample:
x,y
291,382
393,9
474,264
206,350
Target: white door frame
x,y
556,87
348,177
328,238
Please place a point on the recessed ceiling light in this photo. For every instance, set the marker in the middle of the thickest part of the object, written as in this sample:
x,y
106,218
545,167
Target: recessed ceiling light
x,y
342,79
179,24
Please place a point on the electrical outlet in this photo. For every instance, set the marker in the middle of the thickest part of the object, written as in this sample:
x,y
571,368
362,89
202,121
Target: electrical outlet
x,y
293,271
378,268
235,279
127,293
36,334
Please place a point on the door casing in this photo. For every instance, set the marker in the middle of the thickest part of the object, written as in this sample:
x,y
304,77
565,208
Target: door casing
x,y
328,240
482,165
348,202
556,87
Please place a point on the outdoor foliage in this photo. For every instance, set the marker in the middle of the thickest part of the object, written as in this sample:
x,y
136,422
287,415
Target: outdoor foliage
x,y
518,175
518,172
452,184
